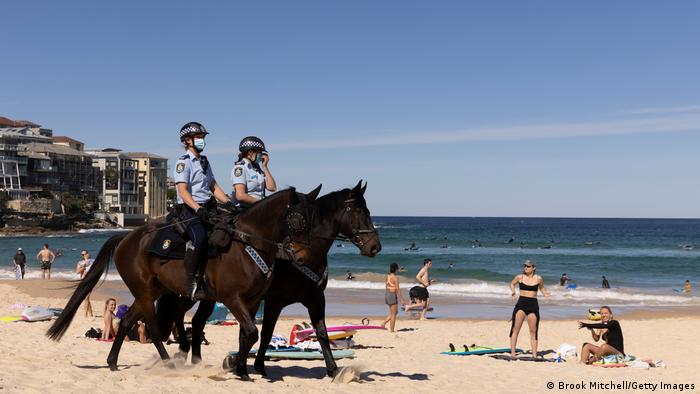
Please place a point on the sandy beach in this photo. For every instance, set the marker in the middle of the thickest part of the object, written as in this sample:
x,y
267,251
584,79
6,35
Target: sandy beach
x,y
406,361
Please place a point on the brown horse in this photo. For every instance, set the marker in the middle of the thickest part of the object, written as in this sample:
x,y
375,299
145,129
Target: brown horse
x,y
342,213
234,277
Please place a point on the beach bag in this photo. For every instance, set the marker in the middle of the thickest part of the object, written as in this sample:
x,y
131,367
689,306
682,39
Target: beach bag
x,y
121,311
93,333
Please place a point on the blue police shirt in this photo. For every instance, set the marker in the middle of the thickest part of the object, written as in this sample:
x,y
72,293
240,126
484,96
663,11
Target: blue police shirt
x,y
251,175
188,170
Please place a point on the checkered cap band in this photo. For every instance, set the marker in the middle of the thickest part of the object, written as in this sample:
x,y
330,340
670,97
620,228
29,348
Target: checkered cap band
x,y
249,143
192,128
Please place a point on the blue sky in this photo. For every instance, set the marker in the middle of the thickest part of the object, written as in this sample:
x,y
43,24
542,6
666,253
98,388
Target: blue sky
x,y
538,108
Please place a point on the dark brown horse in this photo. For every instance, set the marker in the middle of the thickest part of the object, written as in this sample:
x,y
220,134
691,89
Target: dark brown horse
x,y
234,277
343,212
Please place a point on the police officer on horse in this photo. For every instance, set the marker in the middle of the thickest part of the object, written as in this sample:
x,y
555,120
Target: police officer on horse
x,y
196,189
250,176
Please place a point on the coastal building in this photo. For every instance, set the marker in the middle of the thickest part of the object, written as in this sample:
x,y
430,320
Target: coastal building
x,y
119,181
60,169
14,135
152,183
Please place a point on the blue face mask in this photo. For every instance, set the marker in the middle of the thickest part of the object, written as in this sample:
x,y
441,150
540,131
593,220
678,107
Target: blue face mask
x,y
199,144
258,158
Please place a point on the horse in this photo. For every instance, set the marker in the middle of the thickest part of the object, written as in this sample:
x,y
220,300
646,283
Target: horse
x,y
238,277
303,280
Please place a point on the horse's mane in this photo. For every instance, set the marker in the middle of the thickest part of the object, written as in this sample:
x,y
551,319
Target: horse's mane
x,y
331,201
260,205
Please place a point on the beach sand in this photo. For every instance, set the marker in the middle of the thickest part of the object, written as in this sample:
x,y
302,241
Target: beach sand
x,y
407,361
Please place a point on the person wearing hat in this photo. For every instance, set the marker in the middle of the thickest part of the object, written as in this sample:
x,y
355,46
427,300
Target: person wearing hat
x,y
250,176
196,189
20,260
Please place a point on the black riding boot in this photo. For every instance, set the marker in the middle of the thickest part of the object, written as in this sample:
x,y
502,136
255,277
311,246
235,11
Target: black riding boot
x,y
192,275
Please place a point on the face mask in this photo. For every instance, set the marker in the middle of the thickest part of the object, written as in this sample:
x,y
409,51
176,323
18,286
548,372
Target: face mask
x,y
258,158
199,144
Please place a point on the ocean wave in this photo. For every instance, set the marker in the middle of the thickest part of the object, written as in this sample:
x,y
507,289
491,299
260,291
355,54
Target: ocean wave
x,y
501,291
55,274
102,230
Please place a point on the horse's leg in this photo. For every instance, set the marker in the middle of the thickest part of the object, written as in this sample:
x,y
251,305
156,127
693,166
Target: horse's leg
x,y
183,342
247,336
124,326
316,304
146,304
270,316
199,320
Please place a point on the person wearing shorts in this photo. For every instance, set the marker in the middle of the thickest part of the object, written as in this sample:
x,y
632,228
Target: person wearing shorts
x,y
419,294
46,258
392,297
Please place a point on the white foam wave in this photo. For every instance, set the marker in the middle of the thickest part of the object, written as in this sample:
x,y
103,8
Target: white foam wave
x,y
102,230
65,275
501,292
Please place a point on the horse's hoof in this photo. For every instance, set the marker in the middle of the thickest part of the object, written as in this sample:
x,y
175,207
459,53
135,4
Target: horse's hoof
x,y
245,378
196,360
331,372
229,363
261,370
180,355
113,367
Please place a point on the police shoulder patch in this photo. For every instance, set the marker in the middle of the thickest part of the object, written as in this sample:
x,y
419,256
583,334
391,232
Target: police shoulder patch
x,y
180,167
238,171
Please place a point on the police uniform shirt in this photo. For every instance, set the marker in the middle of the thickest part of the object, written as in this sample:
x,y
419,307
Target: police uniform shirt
x,y
249,174
188,170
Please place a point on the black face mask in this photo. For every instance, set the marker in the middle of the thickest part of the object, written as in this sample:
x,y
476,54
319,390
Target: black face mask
x,y
204,162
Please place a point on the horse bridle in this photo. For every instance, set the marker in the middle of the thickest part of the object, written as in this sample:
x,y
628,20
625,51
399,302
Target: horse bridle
x,y
354,237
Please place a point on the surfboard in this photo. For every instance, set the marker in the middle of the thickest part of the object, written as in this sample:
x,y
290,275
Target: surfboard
x,y
36,313
479,350
417,308
298,354
10,319
331,335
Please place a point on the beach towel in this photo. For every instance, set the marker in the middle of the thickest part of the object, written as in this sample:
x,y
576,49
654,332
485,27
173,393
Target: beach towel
x,y
615,361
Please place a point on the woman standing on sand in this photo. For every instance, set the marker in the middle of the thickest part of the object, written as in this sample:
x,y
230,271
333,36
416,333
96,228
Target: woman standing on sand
x,y
108,331
526,307
392,297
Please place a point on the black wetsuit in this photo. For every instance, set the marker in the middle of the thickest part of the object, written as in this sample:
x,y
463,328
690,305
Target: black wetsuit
x,y
613,336
527,305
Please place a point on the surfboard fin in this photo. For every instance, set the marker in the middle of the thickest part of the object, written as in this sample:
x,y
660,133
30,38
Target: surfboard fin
x,y
452,347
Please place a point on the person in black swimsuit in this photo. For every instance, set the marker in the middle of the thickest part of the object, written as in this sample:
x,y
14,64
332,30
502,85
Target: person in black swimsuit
x,y
526,307
609,330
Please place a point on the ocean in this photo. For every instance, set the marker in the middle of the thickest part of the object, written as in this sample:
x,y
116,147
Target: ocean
x,y
645,260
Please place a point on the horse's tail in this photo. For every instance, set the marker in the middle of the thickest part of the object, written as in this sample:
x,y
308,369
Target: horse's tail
x,y
99,267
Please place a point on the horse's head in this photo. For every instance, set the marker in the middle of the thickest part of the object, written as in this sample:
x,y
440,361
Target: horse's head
x,y
356,223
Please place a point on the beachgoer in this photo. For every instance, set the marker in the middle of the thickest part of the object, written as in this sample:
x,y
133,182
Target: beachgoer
x,y
687,288
82,268
349,276
20,261
195,185
402,269
46,258
527,307
138,332
564,280
250,176
392,297
609,330
419,294
606,284
451,266
109,332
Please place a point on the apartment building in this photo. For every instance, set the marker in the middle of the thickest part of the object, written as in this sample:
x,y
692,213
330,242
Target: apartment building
x,y
152,182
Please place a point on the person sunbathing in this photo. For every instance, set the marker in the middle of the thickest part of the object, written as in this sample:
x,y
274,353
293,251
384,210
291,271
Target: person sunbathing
x,y
609,330
108,332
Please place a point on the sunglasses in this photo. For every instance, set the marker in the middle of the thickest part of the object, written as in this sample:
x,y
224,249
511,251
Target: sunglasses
x,y
528,266
83,254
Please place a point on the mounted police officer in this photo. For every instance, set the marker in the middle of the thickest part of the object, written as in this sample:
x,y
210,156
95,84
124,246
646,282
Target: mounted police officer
x,y
250,175
195,185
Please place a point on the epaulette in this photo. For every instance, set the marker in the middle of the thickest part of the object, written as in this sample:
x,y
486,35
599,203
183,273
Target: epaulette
x,y
238,163
183,157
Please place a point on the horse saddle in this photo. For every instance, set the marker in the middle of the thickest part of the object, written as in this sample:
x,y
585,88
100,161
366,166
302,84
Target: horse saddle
x,y
169,244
